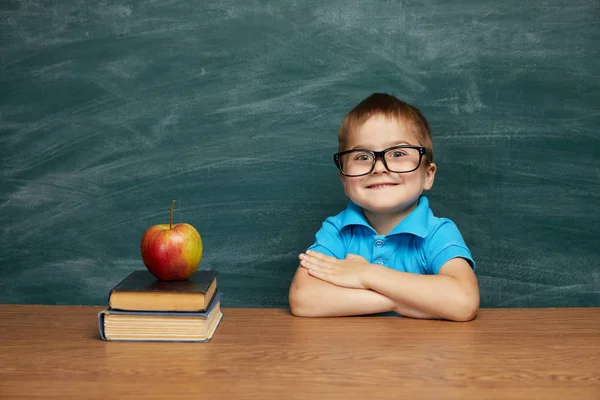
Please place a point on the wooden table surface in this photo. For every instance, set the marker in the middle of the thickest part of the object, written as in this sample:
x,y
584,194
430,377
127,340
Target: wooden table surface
x,y
55,352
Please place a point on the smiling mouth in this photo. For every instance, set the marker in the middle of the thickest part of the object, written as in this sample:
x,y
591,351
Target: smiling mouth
x,y
381,185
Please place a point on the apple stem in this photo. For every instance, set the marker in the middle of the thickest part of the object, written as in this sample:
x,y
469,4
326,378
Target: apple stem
x,y
171,214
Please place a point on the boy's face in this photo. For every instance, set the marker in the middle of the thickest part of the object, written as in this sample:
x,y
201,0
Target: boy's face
x,y
382,191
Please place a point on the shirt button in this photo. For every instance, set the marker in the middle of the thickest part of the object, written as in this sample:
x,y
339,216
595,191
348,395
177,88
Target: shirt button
x,y
379,261
379,243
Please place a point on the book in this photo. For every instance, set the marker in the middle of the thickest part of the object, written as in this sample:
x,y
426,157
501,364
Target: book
x,y
157,326
141,291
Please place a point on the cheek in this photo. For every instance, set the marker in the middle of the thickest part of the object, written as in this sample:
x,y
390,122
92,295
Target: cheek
x,y
350,185
420,180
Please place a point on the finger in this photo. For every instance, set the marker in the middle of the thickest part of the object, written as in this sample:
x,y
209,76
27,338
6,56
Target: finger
x,y
319,267
308,263
309,260
320,275
319,256
304,265
305,259
351,256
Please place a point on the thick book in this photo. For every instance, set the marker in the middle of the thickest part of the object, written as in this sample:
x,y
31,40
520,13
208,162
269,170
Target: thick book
x,y
152,326
141,291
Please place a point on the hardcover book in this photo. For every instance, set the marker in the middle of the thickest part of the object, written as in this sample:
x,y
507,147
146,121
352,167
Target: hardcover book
x,y
141,291
116,325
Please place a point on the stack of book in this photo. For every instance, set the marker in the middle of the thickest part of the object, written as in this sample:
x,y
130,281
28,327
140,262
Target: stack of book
x,y
142,308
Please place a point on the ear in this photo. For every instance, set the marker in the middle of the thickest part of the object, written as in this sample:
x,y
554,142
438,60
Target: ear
x,y
429,176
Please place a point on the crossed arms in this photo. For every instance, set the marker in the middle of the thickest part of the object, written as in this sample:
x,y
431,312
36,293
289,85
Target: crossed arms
x,y
325,286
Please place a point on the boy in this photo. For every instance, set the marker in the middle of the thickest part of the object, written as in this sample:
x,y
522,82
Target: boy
x,y
386,251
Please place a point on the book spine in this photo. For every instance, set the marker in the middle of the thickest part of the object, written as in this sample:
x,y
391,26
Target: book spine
x,y
101,324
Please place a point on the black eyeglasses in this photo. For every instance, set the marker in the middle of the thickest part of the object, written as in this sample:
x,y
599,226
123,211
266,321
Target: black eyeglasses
x,y
401,159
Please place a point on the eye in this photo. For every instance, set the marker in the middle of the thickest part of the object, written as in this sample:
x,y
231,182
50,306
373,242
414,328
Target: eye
x,y
363,157
397,154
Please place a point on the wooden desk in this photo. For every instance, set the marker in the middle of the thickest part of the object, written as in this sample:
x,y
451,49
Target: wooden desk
x,y
55,351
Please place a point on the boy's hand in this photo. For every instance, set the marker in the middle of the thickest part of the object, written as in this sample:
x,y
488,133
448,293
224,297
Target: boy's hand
x,y
344,273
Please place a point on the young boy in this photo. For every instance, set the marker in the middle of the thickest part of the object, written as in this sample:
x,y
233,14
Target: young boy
x,y
386,251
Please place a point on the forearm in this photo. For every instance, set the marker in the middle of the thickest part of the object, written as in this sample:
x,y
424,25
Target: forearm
x,y
442,296
312,297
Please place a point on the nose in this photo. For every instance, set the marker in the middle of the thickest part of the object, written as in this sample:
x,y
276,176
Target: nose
x,y
379,166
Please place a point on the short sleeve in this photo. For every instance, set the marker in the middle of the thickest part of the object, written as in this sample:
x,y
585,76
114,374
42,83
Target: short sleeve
x,y
444,243
329,241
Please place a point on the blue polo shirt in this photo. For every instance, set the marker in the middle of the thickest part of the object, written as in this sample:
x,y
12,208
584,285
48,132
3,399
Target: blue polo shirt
x,y
421,243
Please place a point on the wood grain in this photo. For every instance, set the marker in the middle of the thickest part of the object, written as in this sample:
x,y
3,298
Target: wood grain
x,y
55,352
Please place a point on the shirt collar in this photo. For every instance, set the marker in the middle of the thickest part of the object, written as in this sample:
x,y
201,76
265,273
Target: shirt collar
x,y
354,216
415,223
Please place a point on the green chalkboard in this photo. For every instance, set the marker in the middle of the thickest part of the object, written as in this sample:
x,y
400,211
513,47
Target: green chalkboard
x,y
109,110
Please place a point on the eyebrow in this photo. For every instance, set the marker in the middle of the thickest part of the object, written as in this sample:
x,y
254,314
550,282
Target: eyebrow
x,y
388,145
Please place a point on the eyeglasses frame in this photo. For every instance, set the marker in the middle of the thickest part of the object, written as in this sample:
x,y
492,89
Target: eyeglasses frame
x,y
423,151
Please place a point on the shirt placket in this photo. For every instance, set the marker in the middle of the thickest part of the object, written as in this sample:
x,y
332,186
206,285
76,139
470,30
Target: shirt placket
x,y
379,257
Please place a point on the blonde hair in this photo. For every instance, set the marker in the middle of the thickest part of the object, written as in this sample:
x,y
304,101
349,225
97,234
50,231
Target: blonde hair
x,y
390,107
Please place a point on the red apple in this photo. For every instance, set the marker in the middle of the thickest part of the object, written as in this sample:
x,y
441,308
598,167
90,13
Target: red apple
x,y
172,252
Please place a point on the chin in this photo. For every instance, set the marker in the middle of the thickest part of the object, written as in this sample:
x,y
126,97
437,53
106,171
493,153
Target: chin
x,y
384,208
389,206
